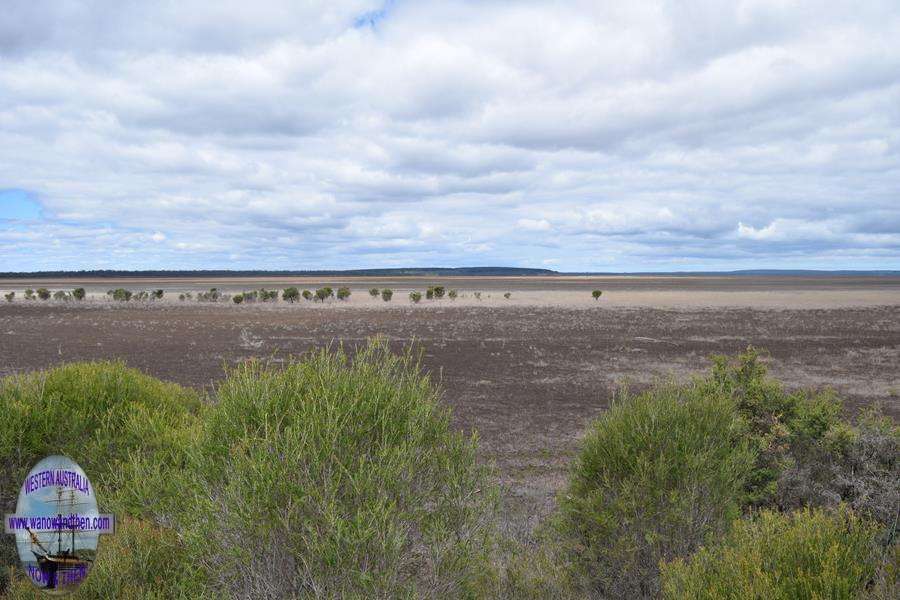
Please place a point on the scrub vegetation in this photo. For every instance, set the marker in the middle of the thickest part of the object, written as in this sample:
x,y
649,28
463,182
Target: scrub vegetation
x,y
338,475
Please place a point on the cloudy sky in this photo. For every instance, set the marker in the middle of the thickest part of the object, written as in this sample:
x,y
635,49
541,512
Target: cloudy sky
x,y
609,136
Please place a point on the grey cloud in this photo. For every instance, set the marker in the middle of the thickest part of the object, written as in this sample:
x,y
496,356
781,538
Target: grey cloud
x,y
597,135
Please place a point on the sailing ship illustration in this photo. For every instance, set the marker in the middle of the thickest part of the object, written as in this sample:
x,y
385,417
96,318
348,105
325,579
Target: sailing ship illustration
x,y
65,566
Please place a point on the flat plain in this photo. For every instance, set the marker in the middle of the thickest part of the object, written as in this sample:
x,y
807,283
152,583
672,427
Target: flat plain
x,y
527,372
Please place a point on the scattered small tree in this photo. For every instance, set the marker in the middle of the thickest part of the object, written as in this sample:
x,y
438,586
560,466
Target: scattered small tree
x,y
374,292
507,295
121,295
343,293
429,293
9,297
329,292
60,295
237,298
29,294
267,295
158,294
43,293
322,294
142,295
387,294
438,291
415,297
596,294
290,294
452,294
79,293
307,295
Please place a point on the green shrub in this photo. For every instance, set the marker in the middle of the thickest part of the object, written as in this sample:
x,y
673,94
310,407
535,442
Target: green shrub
x,y
429,293
182,297
657,474
237,298
452,294
127,430
374,292
211,296
79,293
857,464
158,294
438,291
809,554
387,294
142,295
507,295
340,477
290,294
307,295
596,294
43,293
9,296
29,294
415,297
343,293
322,294
60,295
120,294
792,431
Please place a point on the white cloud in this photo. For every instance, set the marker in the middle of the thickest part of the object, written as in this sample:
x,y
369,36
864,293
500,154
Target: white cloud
x,y
612,136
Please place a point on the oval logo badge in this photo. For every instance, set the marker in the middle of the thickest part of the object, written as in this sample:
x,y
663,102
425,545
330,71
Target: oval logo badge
x,y
57,525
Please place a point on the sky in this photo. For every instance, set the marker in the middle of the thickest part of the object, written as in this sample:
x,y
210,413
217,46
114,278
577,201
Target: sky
x,y
576,136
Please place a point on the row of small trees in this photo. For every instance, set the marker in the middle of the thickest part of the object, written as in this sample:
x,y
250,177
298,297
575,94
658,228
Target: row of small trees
x,y
45,294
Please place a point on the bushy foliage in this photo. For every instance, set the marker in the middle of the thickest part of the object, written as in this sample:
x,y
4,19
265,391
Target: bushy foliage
x,y
142,295
307,295
9,296
268,295
415,297
343,293
120,294
374,292
237,298
387,294
452,294
657,474
336,478
507,295
438,291
290,294
429,293
211,296
807,454
158,294
127,430
79,293
43,293
809,554
29,294
322,294
596,294
854,464
60,295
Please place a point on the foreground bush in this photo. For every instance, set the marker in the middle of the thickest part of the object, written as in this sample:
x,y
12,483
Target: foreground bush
x,y
336,477
127,430
804,555
658,473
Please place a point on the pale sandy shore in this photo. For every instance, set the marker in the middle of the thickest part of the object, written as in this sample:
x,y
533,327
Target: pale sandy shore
x,y
567,292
